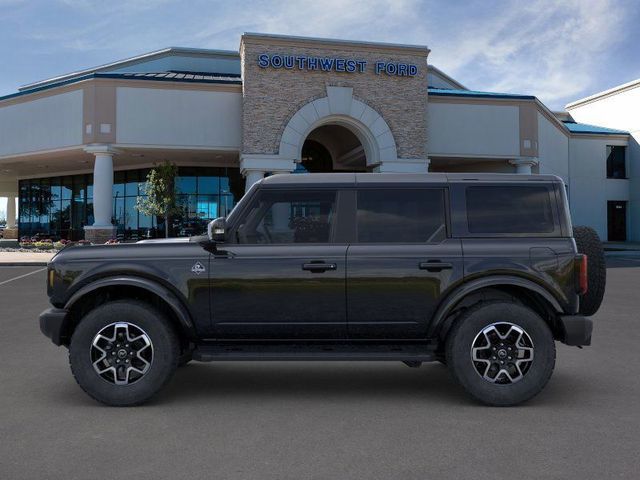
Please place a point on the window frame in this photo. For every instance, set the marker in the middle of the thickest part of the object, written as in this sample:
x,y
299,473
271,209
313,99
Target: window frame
x,y
625,163
459,206
444,190
337,228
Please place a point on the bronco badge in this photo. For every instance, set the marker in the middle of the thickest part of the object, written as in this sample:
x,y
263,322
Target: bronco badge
x,y
198,268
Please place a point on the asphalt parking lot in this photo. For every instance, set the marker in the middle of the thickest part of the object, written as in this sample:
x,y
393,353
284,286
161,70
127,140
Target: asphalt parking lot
x,y
320,420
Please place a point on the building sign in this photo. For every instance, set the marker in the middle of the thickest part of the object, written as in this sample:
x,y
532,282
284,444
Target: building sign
x,y
333,64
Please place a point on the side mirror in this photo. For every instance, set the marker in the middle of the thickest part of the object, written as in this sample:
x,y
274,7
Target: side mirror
x,y
216,230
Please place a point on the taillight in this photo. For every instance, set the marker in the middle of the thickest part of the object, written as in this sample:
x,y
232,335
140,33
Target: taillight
x,y
582,276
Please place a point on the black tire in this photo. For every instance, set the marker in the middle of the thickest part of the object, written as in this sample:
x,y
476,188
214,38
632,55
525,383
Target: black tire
x,y
589,243
469,326
185,358
165,352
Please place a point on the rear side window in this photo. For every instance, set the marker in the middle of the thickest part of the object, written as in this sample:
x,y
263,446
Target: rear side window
x,y
401,216
509,209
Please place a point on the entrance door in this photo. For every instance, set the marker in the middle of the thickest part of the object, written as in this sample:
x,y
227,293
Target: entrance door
x,y
401,263
285,276
617,221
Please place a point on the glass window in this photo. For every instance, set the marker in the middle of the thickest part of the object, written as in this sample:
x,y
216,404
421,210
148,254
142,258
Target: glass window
x,y
289,217
509,209
118,184
207,207
67,188
616,161
208,185
131,185
186,184
401,216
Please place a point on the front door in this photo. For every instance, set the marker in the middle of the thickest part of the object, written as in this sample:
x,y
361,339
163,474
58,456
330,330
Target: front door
x,y
401,263
617,221
283,273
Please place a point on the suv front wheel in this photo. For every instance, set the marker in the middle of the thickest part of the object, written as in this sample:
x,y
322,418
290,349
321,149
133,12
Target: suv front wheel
x,y
123,352
502,353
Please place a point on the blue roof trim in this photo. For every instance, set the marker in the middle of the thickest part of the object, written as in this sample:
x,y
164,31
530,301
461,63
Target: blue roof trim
x,y
450,92
161,77
585,128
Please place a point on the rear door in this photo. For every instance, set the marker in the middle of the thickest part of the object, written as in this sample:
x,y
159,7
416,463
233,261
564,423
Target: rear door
x,y
401,262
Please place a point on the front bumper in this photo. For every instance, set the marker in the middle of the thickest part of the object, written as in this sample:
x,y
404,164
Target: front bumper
x,y
577,330
54,323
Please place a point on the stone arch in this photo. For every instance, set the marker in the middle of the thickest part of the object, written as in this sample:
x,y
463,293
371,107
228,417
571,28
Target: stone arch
x,y
340,108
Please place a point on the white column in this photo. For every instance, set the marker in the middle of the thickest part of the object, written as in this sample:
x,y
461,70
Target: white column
x,y
11,211
102,228
523,165
251,177
103,189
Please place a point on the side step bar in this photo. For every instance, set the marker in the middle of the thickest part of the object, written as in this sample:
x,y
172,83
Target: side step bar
x,y
311,352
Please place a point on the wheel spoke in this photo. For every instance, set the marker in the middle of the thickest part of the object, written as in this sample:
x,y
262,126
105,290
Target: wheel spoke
x,y
502,353
114,350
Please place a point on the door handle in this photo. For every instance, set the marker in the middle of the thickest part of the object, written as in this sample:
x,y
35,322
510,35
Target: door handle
x,y
319,267
434,266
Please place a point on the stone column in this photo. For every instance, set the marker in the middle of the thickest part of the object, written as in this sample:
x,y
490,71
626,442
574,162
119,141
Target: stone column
x,y
102,228
11,232
524,165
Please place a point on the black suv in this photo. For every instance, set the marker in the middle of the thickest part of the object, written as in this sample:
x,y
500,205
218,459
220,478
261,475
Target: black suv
x,y
482,272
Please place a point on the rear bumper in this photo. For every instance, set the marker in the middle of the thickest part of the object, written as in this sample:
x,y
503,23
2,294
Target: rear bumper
x,y
53,324
577,330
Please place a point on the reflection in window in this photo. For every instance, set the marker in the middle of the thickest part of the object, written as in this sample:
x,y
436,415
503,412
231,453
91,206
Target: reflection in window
x,y
289,217
401,216
60,207
616,161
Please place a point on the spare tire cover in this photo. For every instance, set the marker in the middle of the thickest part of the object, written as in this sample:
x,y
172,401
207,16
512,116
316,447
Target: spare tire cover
x,y
589,243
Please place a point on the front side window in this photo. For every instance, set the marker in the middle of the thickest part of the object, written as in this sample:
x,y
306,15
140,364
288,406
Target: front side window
x,y
616,161
282,217
509,209
401,216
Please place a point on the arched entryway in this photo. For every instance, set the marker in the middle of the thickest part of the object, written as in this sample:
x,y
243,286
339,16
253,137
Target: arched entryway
x,y
332,148
353,134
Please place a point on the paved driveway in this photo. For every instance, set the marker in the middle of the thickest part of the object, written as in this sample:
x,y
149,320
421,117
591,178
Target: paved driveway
x,y
321,420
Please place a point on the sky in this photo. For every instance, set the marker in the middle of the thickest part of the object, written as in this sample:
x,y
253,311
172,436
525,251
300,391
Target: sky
x,y
557,50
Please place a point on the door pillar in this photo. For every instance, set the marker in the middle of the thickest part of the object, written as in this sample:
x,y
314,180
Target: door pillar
x,y
102,228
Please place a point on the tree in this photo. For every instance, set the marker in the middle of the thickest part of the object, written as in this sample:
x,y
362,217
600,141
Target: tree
x,y
160,194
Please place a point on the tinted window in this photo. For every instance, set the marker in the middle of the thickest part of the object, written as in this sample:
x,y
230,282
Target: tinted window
x,y
289,217
511,209
616,164
401,215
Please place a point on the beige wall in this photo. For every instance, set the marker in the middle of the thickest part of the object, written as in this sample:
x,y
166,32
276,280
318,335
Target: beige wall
x,y
272,96
473,129
191,118
553,149
43,123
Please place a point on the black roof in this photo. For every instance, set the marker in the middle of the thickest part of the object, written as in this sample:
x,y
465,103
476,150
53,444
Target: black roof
x,y
352,179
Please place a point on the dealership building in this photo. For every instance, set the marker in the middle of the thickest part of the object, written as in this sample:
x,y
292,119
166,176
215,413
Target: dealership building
x,y
75,149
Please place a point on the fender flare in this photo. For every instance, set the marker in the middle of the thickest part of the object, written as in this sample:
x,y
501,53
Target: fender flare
x,y
445,308
177,307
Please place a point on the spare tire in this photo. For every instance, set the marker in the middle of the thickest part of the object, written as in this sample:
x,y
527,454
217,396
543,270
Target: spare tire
x,y
589,243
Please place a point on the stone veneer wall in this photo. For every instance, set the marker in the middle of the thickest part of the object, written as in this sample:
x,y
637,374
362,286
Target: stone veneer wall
x,y
271,96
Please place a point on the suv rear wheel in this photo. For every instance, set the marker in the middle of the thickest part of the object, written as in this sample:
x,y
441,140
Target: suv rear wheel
x,y
123,352
501,353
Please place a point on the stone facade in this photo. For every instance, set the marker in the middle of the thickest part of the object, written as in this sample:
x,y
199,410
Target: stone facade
x,y
272,96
